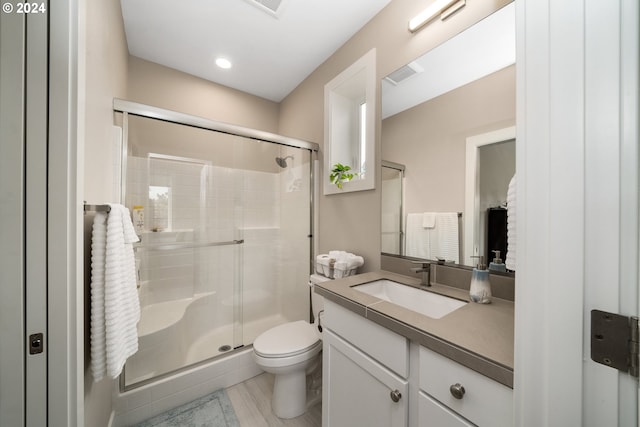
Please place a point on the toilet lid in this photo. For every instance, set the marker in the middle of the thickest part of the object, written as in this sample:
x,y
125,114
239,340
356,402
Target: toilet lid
x,y
287,339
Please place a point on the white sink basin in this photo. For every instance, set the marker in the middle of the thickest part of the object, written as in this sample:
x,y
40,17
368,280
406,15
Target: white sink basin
x,y
427,303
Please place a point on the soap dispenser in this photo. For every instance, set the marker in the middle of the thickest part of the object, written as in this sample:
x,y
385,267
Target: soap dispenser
x,y
480,289
497,264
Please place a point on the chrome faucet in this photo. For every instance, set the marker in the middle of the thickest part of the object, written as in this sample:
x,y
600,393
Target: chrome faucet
x,y
425,269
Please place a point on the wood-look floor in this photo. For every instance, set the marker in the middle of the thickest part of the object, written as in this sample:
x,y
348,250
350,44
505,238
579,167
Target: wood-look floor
x,y
252,403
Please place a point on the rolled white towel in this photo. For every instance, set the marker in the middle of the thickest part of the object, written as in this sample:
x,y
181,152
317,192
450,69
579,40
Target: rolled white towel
x,y
355,261
340,270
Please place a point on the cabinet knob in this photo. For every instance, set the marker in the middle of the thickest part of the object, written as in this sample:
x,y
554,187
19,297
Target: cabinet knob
x,y
395,395
457,390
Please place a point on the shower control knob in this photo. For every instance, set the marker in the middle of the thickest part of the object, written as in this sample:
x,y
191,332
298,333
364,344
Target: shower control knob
x,y
395,395
457,390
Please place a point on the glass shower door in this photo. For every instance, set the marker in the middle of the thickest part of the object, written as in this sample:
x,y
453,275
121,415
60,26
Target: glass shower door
x,y
277,232
225,242
189,260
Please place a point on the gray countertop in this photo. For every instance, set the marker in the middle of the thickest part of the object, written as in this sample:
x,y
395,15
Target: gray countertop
x,y
478,336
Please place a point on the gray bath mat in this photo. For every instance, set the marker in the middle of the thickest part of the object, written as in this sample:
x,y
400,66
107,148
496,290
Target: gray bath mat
x,y
213,410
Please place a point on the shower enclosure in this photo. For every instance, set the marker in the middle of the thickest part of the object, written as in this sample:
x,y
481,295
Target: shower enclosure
x,y
225,235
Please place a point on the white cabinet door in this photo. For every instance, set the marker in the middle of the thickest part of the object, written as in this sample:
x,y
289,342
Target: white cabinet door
x,y
357,390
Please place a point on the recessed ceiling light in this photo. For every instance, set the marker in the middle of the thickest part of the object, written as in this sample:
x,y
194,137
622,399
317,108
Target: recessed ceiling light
x,y
223,63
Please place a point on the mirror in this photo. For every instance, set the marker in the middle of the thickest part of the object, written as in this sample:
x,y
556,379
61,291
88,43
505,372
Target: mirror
x,y
349,115
458,91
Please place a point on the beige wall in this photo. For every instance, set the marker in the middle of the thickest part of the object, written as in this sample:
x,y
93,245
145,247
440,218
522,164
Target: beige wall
x,y
351,221
430,139
160,86
106,57
105,65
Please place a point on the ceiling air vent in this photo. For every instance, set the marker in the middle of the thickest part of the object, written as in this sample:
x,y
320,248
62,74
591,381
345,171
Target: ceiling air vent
x,y
272,7
404,73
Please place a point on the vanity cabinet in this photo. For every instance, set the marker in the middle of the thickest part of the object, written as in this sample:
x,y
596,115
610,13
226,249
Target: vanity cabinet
x,y
453,395
365,370
367,380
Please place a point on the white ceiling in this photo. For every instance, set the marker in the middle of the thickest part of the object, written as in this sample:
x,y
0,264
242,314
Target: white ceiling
x,y
271,55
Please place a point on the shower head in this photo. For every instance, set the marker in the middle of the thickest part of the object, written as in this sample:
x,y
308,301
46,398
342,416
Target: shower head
x,y
282,161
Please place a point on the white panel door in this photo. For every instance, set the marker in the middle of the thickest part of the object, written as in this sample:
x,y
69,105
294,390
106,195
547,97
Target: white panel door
x,y
577,166
23,209
611,196
12,223
35,211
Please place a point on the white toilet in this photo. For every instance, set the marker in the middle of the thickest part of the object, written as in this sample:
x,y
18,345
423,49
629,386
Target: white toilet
x,y
290,351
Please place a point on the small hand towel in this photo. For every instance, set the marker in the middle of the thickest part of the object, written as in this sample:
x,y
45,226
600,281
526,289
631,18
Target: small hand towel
x,y
429,220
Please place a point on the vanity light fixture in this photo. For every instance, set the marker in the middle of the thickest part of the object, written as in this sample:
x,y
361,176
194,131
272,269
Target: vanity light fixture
x,y
223,63
445,8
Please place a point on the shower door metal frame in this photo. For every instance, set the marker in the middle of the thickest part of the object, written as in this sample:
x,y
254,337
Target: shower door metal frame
x,y
148,111
401,169
151,112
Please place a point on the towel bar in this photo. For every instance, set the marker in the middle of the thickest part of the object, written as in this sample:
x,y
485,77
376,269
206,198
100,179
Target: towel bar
x,y
97,208
175,246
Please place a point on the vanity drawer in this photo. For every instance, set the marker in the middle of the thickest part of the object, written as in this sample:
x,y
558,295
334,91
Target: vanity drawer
x,y
387,347
485,402
433,414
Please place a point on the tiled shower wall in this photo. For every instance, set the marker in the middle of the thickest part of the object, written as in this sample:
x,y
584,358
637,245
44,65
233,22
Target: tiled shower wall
x,y
213,204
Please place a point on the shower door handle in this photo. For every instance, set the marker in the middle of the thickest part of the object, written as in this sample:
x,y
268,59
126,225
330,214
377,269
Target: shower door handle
x,y
176,246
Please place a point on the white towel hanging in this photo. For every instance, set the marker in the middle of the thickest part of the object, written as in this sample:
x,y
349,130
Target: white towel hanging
x,y
97,326
115,308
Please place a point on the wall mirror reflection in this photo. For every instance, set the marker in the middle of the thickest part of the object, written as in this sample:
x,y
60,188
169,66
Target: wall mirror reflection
x,y
458,91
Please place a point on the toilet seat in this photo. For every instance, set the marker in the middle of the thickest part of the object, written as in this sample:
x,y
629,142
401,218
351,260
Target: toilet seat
x,y
287,340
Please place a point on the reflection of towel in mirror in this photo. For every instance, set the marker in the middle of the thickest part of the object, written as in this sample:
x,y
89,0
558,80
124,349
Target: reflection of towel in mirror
x,y
441,241
444,239
510,259
417,237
